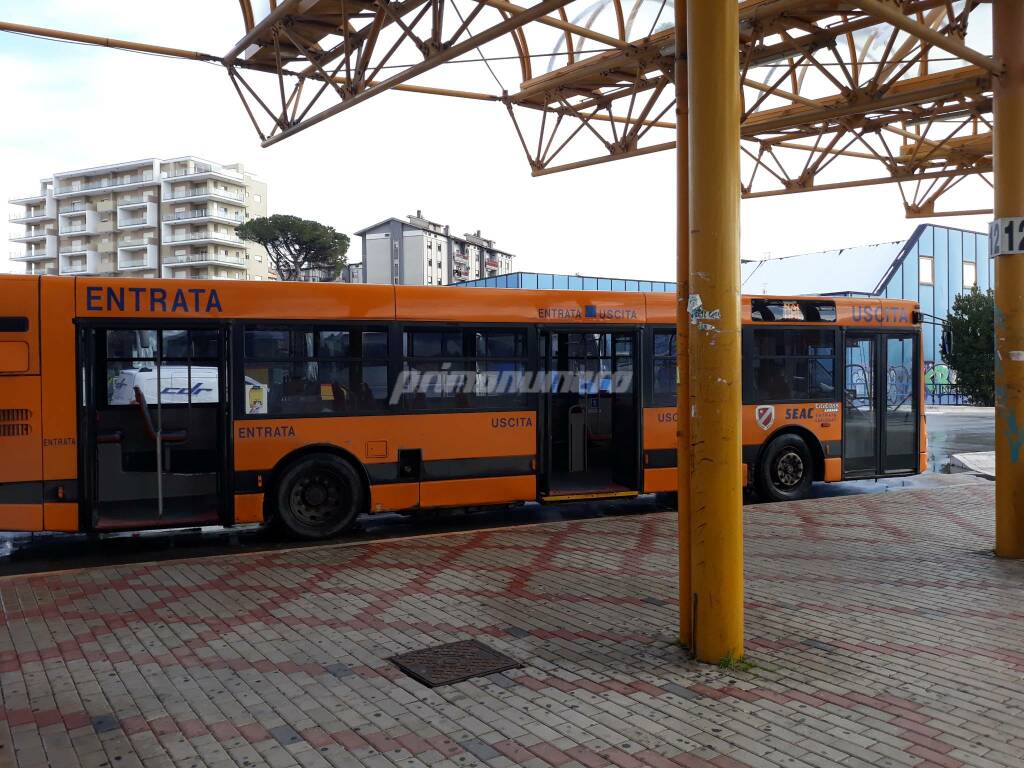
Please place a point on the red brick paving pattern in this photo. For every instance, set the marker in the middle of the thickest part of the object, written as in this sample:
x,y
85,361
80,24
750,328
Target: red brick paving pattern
x,y
882,630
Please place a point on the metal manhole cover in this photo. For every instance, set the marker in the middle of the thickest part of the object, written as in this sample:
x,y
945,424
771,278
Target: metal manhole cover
x,y
453,663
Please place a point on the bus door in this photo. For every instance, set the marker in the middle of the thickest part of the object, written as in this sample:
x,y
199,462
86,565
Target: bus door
x,y
590,427
154,422
881,406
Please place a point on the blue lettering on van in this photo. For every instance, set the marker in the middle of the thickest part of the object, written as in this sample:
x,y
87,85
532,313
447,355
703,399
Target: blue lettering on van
x,y
196,389
145,299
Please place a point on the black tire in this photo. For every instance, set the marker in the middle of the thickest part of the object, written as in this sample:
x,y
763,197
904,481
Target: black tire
x,y
786,469
319,496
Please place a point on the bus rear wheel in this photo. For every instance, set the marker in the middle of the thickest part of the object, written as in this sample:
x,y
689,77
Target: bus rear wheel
x,y
786,469
319,496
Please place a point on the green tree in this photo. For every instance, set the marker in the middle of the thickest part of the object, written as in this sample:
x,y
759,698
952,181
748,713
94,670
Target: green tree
x,y
972,336
298,246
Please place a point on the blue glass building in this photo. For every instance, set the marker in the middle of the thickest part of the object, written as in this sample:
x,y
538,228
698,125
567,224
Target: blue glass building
x,y
545,280
931,267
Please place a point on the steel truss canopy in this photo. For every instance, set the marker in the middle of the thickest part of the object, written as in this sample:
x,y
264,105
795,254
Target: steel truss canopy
x,y
834,94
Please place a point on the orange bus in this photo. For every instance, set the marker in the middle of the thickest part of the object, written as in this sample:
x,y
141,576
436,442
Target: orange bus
x,y
128,404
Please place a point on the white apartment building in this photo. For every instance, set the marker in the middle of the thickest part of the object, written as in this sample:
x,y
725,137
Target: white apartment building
x,y
423,252
146,218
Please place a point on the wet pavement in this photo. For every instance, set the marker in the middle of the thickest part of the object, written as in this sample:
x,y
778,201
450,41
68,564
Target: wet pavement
x,y
880,631
950,430
958,429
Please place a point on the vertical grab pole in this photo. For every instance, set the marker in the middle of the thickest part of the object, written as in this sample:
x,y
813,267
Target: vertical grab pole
x,y
716,493
159,428
682,330
1008,171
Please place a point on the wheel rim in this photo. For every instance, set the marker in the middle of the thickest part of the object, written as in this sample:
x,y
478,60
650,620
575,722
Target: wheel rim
x,y
318,499
789,470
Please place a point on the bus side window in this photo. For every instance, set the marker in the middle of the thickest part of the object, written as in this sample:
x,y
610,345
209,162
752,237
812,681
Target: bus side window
x,y
665,371
170,367
793,364
458,369
311,371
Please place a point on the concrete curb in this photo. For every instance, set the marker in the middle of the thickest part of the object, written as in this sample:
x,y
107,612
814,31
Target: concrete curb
x,y
981,462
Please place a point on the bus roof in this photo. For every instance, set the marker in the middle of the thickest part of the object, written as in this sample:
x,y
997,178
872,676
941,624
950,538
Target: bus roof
x,y
226,299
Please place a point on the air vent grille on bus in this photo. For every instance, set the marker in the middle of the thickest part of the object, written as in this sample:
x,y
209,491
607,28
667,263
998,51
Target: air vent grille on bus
x,y
14,422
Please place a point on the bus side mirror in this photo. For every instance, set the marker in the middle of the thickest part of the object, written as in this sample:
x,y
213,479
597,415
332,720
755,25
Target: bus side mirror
x,y
947,343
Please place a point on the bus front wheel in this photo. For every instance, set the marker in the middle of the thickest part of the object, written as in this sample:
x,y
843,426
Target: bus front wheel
x,y
786,469
319,496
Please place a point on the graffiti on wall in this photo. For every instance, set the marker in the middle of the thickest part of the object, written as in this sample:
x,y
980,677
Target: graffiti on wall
x,y
940,385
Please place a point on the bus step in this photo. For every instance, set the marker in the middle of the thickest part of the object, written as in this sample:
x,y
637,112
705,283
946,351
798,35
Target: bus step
x,y
589,496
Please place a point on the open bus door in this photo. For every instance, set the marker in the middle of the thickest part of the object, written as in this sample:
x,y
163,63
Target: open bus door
x,y
154,425
590,415
882,404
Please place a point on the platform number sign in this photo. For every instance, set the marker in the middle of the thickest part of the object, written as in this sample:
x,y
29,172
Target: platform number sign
x,y
1006,236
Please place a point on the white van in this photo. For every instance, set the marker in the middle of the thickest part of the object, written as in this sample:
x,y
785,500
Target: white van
x,y
177,389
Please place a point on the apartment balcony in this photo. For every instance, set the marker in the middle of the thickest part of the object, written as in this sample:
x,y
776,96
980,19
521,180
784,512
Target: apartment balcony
x,y
138,222
205,238
47,251
31,199
74,250
204,216
206,193
136,242
78,260
27,217
130,202
76,207
35,212
34,235
136,256
99,186
41,269
79,222
137,215
204,171
205,259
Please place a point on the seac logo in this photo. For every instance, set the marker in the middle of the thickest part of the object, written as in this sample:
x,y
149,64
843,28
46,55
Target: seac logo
x,y
765,416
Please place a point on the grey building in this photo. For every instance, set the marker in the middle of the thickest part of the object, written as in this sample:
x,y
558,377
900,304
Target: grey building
x,y
423,252
352,272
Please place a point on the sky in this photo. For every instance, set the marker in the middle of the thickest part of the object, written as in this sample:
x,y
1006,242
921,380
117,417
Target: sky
x,y
459,162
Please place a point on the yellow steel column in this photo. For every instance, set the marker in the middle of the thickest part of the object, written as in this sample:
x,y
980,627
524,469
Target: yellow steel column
x,y
716,503
1008,167
682,330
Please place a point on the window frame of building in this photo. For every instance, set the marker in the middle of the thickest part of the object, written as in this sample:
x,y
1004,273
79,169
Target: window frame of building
x,y
974,275
921,259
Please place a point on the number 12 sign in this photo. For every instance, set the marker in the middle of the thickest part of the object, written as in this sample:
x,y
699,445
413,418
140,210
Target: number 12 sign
x,y
1006,236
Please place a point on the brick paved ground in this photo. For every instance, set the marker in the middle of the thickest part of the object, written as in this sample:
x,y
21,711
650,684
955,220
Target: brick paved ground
x,y
882,630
